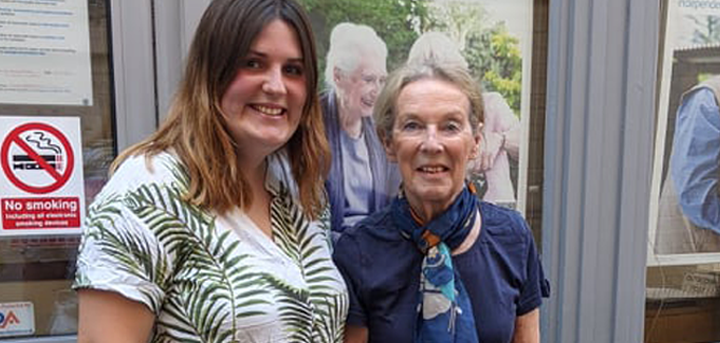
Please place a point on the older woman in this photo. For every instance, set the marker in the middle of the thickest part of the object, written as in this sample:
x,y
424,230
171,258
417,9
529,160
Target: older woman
x,y
438,265
361,181
207,230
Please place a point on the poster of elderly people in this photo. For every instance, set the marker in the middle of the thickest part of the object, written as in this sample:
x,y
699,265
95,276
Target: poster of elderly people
x,y
361,42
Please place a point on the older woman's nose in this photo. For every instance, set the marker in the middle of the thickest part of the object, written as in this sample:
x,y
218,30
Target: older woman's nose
x,y
431,142
274,83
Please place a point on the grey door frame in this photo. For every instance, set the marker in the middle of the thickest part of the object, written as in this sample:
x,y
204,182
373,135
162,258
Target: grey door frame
x,y
602,76
133,70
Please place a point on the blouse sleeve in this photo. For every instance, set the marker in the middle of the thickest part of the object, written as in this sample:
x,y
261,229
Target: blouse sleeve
x,y
120,254
348,260
535,286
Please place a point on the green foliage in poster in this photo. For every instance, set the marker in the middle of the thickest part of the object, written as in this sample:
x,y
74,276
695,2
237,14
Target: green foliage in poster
x,y
396,22
493,55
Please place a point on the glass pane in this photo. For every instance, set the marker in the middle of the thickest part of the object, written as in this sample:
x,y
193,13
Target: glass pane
x,y
683,275
40,269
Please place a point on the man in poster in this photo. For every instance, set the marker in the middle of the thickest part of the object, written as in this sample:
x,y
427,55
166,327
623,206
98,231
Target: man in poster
x,y
689,210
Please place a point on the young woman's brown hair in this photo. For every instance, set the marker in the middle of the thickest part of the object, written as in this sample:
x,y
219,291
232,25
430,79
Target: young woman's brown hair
x,y
195,130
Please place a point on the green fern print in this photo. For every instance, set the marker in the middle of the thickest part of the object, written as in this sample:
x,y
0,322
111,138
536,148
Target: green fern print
x,y
210,278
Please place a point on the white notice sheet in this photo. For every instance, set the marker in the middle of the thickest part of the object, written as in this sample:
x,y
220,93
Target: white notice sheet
x,y
45,52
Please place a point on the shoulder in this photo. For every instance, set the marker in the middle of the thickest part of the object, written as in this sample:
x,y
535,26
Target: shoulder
x,y
122,247
280,182
503,222
375,228
698,103
162,169
701,95
367,236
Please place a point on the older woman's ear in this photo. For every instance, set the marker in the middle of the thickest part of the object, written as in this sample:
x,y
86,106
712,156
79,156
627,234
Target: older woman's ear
x,y
479,141
475,152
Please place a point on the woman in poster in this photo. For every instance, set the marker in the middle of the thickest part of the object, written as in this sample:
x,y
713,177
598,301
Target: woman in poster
x,y
361,180
208,230
438,264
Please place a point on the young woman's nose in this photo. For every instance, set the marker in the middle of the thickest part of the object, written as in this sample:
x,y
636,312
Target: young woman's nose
x,y
274,84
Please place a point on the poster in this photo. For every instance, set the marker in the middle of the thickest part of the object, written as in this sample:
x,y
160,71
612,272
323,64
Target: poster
x,y
683,228
41,176
492,39
45,53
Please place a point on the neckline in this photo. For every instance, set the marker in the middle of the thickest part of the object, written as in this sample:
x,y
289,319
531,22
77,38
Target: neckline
x,y
244,228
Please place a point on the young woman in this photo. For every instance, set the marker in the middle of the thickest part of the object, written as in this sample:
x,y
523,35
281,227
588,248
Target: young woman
x,y
208,230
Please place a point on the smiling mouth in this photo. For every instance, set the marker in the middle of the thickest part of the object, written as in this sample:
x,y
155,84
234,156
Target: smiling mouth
x,y
433,170
270,111
368,103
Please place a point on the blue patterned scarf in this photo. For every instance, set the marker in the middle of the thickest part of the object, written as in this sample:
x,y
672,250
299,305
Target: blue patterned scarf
x,y
444,309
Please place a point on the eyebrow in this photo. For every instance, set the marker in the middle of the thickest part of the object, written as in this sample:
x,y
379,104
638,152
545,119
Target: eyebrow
x,y
413,115
264,55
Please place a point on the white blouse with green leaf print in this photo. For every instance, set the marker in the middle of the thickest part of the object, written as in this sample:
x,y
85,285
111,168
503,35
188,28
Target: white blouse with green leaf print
x,y
211,278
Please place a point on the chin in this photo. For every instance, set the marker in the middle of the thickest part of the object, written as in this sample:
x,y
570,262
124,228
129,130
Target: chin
x,y
434,196
438,194
272,144
275,137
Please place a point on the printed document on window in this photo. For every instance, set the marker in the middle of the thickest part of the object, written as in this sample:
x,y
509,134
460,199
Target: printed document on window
x,y
45,52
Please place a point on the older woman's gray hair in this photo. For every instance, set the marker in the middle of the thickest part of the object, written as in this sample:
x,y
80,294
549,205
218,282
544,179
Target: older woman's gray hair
x,y
385,109
349,44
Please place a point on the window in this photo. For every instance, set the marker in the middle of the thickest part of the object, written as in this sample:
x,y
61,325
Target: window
x,y
683,275
38,269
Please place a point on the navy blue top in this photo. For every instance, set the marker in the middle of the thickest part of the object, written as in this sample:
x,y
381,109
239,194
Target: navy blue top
x,y
501,272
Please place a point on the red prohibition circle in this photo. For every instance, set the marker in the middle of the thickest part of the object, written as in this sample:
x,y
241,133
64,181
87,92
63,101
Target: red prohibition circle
x,y
14,137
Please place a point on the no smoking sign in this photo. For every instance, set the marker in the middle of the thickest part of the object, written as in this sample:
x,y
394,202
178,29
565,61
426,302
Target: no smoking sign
x,y
37,158
42,190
